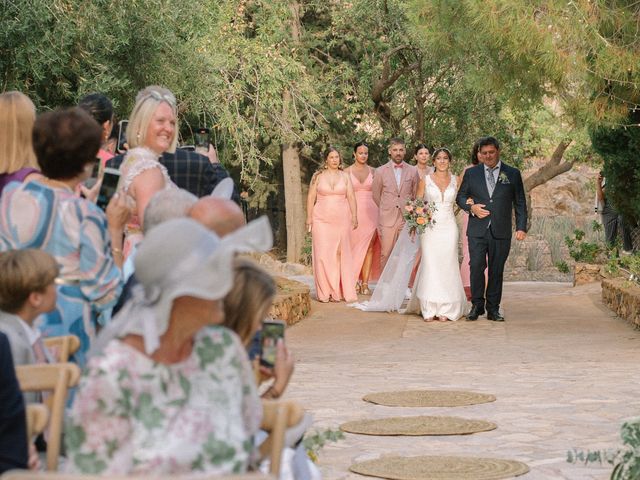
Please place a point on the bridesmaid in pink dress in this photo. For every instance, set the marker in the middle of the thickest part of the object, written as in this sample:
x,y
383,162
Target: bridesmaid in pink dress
x,y
422,157
363,239
331,215
465,271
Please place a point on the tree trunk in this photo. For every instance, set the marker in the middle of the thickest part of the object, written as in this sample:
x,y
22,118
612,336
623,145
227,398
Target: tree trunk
x,y
294,206
295,215
549,170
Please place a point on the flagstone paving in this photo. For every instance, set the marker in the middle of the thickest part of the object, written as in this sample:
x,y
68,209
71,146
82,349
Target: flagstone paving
x,y
564,370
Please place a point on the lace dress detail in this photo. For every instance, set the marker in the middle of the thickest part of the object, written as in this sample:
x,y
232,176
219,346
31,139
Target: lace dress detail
x,y
136,161
438,288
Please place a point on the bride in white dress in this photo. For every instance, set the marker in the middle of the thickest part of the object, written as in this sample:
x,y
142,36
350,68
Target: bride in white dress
x,y
437,290
438,293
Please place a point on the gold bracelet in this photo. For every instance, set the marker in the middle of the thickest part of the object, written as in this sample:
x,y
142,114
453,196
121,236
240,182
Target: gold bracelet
x,y
116,250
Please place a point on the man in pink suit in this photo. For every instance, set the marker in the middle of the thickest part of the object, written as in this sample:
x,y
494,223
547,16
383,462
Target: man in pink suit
x,y
393,184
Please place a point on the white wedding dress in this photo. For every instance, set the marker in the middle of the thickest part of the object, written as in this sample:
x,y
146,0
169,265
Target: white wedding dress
x,y
438,287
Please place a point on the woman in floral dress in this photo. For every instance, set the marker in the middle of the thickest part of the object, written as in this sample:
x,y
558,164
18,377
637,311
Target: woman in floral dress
x,y
169,390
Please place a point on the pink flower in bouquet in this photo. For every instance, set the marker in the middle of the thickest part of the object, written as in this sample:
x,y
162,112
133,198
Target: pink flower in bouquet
x,y
420,210
408,208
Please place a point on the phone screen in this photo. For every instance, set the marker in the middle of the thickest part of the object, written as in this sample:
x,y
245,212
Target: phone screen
x,y
95,174
122,135
109,186
201,137
272,331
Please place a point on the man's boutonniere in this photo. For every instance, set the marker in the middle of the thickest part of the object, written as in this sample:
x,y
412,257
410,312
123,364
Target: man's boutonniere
x,y
502,178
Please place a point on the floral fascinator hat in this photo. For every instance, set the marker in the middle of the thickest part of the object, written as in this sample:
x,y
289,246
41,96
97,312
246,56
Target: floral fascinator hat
x,y
180,257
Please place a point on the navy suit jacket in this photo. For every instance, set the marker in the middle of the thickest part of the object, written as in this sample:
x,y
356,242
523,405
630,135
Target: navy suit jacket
x,y
13,424
508,194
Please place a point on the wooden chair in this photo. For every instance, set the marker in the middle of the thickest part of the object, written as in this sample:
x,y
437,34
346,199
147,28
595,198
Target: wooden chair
x,y
37,418
277,417
25,475
63,346
56,378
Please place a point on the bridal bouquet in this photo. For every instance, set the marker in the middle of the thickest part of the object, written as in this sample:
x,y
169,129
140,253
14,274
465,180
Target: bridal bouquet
x,y
419,215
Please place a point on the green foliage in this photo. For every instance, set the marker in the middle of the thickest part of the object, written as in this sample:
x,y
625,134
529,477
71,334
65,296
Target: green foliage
x,y
562,266
314,441
580,249
305,257
620,149
625,265
626,461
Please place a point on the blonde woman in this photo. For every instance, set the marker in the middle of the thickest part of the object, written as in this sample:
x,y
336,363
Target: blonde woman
x,y
245,307
17,158
152,131
331,215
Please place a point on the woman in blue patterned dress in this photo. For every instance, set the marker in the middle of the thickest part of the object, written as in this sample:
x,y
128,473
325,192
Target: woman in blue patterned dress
x,y
48,215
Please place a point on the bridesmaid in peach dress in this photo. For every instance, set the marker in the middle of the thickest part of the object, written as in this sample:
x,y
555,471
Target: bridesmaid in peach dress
x,y
422,158
465,271
331,215
363,239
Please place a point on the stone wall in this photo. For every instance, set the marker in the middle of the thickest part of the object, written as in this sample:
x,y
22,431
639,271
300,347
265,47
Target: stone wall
x,y
623,297
587,273
292,302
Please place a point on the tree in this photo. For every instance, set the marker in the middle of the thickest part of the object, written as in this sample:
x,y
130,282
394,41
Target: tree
x,y
582,54
620,149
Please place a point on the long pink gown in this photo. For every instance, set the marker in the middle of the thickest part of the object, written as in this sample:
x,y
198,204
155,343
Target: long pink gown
x,y
367,226
465,270
331,244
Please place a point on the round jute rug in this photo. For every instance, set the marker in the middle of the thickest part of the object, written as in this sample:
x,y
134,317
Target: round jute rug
x,y
440,468
428,398
420,425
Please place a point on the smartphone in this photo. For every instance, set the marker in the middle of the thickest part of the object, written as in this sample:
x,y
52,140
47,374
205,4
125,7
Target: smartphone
x,y
201,137
122,136
109,186
95,174
272,331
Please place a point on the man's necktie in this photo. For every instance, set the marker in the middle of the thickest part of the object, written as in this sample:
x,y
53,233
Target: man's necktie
x,y
491,181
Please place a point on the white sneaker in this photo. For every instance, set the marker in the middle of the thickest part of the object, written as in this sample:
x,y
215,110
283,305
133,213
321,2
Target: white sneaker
x,y
626,252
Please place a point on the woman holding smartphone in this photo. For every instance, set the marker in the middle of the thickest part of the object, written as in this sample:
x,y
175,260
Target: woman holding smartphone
x,y
152,130
48,215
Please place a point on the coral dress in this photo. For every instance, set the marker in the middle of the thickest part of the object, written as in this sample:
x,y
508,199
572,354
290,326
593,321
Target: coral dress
x,y
367,226
331,243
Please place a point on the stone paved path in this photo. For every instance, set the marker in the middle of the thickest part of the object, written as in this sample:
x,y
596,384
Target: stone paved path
x,y
563,367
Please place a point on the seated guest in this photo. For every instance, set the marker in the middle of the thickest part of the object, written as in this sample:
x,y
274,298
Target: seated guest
x,y
27,289
47,215
13,427
219,215
191,171
245,306
169,390
163,206
17,159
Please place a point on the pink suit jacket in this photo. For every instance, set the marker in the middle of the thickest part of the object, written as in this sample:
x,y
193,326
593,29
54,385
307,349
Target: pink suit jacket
x,y
388,197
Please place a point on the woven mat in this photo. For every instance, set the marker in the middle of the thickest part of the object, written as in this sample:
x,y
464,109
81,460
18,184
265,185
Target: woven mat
x,y
422,425
440,468
428,398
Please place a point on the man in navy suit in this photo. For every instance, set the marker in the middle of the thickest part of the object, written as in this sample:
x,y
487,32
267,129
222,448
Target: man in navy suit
x,y
13,427
496,190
